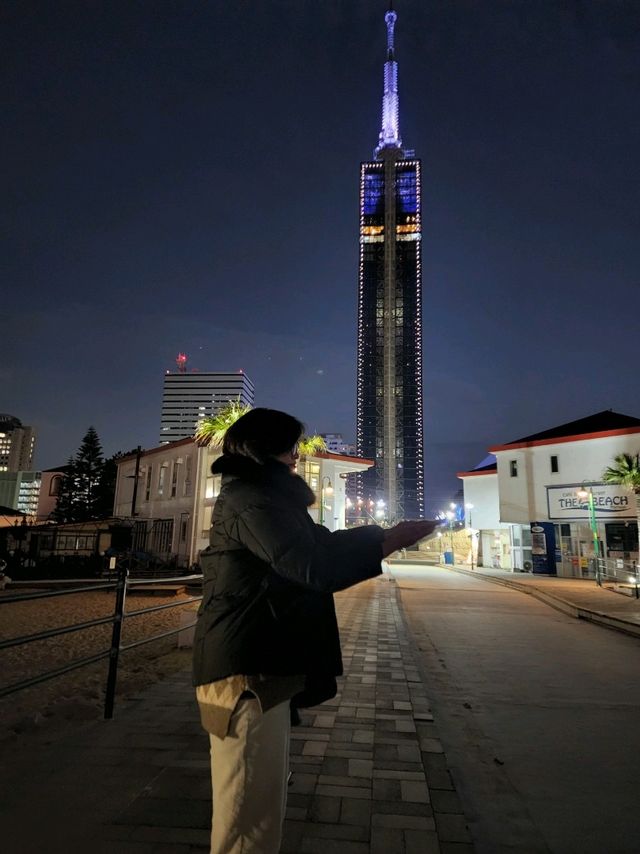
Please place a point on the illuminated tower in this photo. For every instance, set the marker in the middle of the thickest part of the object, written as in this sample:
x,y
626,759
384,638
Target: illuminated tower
x,y
389,406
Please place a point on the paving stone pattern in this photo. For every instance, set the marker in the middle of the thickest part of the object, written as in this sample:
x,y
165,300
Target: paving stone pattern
x,y
369,773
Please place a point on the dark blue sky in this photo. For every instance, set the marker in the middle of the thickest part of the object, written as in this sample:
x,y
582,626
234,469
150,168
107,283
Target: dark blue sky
x,y
184,176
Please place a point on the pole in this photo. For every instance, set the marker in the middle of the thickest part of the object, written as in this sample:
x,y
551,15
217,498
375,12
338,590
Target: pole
x,y
594,531
322,502
114,652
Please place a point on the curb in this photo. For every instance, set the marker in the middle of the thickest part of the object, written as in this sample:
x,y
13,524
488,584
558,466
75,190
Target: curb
x,y
598,617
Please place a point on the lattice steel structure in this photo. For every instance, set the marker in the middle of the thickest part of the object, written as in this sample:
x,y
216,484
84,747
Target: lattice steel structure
x,y
389,406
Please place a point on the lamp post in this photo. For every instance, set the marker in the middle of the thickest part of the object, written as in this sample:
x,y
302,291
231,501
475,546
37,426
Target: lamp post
x,y
135,477
588,495
469,507
324,490
439,535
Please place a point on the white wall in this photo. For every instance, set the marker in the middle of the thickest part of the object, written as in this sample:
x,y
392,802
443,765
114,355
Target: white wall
x,y
481,490
524,498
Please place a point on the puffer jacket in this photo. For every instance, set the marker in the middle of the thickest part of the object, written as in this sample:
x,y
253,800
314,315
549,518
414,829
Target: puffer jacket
x,y
269,575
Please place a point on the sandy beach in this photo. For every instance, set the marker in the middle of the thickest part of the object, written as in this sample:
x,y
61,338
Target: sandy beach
x,y
79,695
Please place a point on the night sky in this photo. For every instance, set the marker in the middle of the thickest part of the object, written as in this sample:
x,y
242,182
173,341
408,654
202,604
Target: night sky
x,y
183,176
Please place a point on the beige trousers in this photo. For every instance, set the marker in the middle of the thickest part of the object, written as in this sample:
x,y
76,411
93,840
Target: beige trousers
x,y
249,769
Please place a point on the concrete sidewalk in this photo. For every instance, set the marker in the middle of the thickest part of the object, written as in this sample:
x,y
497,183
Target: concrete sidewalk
x,y
369,771
578,597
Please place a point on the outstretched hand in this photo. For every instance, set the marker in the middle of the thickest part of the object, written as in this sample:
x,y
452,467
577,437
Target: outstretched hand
x,y
406,534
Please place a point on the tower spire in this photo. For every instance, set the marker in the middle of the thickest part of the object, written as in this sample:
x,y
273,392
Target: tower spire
x,y
390,133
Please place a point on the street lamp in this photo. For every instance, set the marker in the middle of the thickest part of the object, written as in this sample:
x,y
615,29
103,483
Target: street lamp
x,y
469,507
439,535
588,495
324,490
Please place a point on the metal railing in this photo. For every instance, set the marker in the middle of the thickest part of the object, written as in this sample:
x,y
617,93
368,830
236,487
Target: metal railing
x,y
121,586
623,572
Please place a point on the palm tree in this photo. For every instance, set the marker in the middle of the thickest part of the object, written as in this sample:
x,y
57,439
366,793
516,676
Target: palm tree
x,y
211,430
310,445
626,472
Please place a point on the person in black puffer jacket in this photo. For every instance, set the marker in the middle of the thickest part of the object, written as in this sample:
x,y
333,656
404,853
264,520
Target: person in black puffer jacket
x,y
267,635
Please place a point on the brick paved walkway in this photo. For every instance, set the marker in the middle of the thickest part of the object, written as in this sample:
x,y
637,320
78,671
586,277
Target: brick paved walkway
x,y
369,771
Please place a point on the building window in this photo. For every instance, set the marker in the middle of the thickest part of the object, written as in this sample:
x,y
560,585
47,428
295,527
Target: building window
x,y
147,486
186,487
554,465
311,473
174,480
54,486
513,468
161,478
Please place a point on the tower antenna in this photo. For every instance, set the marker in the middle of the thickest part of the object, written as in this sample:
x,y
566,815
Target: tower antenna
x,y
181,362
390,132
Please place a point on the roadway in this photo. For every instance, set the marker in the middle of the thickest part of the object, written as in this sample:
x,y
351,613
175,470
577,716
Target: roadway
x,y
539,715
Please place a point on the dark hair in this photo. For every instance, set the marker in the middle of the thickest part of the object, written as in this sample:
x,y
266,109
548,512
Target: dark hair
x,y
262,433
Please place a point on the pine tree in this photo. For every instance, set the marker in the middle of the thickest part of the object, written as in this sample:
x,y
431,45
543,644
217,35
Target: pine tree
x,y
65,505
89,465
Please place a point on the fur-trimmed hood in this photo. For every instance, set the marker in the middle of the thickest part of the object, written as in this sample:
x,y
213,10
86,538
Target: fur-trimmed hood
x,y
272,474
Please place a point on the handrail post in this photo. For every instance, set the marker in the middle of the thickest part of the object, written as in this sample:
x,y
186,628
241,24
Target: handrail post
x,y
114,652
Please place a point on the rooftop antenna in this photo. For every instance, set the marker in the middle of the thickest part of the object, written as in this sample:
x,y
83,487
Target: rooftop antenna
x,y
181,362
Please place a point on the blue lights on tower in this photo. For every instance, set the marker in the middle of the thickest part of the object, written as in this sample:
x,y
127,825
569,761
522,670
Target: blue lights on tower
x,y
373,197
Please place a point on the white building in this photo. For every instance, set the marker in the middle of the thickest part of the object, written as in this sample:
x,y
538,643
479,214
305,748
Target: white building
x,y
336,444
528,509
17,443
492,539
171,514
187,398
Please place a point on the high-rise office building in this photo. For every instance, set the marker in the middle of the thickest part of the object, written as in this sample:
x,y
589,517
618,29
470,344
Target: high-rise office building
x,y
189,397
20,490
389,404
17,442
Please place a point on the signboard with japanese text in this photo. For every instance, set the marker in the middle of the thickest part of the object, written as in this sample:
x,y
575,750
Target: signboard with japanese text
x,y
610,502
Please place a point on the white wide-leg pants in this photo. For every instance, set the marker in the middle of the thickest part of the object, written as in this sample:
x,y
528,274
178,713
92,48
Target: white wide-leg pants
x,y
249,769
